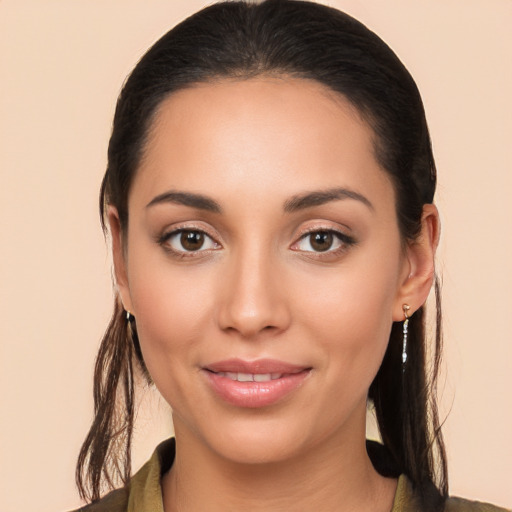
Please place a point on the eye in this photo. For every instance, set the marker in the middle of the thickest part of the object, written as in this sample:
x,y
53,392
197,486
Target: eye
x,y
189,240
322,241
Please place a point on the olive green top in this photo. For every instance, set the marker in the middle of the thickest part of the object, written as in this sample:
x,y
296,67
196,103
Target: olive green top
x,y
144,493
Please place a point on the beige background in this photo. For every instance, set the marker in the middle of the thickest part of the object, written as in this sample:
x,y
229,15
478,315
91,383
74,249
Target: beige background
x,y
62,64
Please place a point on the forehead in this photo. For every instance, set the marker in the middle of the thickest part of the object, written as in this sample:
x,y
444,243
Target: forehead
x,y
264,106
261,134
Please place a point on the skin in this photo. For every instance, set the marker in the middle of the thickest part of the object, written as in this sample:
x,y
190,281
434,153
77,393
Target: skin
x,y
258,289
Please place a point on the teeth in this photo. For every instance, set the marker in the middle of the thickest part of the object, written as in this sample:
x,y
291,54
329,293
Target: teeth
x,y
250,377
262,377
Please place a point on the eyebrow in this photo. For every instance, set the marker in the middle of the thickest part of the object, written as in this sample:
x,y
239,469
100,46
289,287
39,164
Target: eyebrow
x,y
319,197
296,203
187,199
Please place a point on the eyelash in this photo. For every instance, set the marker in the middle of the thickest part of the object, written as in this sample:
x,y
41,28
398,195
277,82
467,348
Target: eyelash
x,y
345,241
164,241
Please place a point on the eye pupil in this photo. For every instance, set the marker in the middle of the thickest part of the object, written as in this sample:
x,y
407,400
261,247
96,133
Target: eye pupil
x,y
321,241
192,240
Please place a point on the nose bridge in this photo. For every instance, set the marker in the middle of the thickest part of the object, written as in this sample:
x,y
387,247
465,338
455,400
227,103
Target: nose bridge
x,y
253,300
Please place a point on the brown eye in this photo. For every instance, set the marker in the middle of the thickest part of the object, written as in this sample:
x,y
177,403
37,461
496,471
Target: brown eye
x,y
321,241
192,240
188,241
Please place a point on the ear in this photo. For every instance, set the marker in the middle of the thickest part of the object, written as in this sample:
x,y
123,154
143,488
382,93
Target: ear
x,y
418,275
119,257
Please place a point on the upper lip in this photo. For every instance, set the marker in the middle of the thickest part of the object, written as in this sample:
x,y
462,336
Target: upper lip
x,y
261,366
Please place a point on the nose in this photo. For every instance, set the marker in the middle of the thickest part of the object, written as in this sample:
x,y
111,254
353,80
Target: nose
x,y
254,298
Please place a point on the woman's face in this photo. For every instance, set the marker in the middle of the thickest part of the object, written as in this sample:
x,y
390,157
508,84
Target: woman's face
x,y
263,264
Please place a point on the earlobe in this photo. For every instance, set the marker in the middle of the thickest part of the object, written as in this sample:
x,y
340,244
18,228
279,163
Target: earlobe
x,y
119,258
420,257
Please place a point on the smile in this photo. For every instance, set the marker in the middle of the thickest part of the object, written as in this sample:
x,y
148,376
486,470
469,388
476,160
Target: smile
x,y
252,384
250,377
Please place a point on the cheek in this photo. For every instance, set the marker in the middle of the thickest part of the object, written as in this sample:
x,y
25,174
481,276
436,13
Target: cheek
x,y
355,323
351,315
357,296
172,309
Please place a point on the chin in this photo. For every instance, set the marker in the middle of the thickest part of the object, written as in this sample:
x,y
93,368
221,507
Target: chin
x,y
258,447
252,439
259,439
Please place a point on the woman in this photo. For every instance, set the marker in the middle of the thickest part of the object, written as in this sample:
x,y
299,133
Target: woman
x,y
269,193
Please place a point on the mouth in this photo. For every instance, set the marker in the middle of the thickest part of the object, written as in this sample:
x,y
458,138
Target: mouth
x,y
252,384
250,377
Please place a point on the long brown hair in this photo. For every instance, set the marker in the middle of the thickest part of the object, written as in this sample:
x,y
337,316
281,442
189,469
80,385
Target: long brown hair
x,y
304,40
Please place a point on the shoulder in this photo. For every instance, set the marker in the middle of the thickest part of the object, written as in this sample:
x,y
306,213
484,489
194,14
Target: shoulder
x,y
143,492
407,499
462,505
116,501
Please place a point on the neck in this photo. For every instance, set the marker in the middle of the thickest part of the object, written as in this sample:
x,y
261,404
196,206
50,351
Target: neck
x,y
335,476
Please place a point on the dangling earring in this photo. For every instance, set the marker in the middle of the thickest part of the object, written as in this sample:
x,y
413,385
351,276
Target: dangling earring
x,y
130,319
134,338
406,308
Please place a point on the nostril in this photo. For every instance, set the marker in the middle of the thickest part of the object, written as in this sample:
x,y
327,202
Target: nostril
x,y
248,305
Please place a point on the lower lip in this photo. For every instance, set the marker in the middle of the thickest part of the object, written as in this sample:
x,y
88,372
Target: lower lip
x,y
255,394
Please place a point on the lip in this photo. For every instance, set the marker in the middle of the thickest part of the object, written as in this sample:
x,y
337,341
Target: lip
x,y
256,366
286,378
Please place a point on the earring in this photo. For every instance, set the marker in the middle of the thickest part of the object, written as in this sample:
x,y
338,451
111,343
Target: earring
x,y
405,328
133,337
130,321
